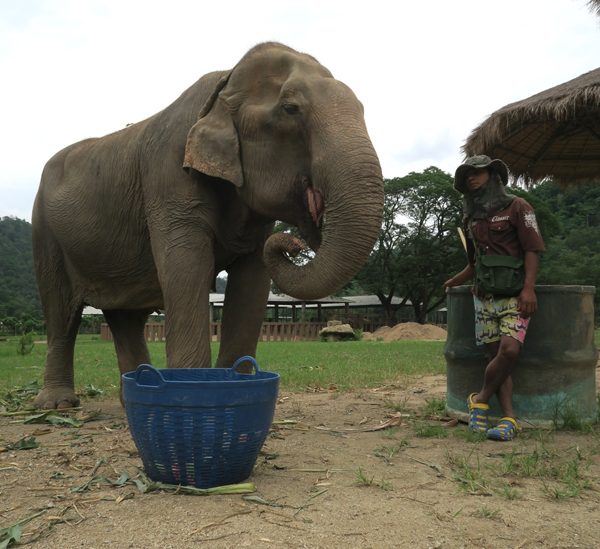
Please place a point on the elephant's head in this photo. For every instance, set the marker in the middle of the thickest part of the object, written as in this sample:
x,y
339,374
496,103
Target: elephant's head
x,y
293,141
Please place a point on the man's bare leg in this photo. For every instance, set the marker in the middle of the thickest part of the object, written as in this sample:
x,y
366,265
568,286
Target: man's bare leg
x,y
497,372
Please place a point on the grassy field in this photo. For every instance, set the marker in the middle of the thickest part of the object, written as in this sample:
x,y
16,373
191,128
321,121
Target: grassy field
x,y
346,365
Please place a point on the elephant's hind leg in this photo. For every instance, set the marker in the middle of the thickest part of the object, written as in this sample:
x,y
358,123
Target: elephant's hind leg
x,y
62,311
127,328
63,316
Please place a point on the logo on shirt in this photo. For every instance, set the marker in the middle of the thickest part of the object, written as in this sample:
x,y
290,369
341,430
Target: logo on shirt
x,y
497,218
531,221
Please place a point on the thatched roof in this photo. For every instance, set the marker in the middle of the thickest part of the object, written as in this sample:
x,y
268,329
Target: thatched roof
x,y
594,6
553,133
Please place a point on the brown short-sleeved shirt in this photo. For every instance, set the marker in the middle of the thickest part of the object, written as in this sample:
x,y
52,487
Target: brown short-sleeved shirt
x,y
512,231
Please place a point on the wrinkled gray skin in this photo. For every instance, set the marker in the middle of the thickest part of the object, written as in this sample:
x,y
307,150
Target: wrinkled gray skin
x,y
145,217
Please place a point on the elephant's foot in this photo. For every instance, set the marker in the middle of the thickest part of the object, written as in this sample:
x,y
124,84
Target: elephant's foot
x,y
50,398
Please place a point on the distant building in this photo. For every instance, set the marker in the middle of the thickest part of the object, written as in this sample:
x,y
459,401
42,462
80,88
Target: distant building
x,y
364,312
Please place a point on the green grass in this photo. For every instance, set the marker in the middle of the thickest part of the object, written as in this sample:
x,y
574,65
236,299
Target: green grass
x,y
363,479
388,452
566,416
486,512
425,430
509,492
346,365
469,473
559,474
350,365
435,406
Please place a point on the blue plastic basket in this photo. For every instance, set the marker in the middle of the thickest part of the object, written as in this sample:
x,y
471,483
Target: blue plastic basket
x,y
199,426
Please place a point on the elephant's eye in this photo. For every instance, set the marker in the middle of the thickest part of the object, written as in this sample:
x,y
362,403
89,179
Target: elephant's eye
x,y
291,108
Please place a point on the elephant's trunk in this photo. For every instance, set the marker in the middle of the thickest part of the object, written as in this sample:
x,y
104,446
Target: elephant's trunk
x,y
352,188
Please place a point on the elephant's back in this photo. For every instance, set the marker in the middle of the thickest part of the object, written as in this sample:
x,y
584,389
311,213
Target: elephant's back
x,y
54,172
193,99
173,123
55,167
123,144
105,174
89,188
85,166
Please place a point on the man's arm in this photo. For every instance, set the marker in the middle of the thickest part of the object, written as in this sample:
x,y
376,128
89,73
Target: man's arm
x,y
462,277
527,301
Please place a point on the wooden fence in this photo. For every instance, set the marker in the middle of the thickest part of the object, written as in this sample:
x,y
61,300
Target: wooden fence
x,y
291,331
271,331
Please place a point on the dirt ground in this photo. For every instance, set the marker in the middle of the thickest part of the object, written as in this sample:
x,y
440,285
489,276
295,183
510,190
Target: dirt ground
x,y
337,470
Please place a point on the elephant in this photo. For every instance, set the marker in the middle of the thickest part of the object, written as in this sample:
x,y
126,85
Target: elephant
x,y
144,218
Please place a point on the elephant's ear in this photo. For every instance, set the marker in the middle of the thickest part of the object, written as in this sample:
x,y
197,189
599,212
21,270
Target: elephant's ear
x,y
212,145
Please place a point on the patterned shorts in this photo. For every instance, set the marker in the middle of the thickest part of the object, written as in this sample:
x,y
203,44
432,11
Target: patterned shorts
x,y
497,317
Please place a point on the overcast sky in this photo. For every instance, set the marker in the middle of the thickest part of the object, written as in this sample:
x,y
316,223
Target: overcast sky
x,y
427,71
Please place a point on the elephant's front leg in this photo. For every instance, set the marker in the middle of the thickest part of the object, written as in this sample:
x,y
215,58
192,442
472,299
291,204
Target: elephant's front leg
x,y
186,275
245,300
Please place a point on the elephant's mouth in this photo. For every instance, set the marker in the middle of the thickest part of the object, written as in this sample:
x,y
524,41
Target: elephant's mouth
x,y
315,206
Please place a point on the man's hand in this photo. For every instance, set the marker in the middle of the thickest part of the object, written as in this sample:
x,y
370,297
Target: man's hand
x,y
460,278
527,302
450,283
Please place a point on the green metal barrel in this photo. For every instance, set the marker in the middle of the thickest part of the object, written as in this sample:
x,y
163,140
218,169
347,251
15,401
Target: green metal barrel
x,y
555,376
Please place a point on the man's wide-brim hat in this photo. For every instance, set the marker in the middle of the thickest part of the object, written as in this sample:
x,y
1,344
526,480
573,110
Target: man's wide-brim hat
x,y
475,163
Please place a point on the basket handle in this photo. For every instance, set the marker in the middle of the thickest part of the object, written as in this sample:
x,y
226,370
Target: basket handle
x,y
147,372
243,359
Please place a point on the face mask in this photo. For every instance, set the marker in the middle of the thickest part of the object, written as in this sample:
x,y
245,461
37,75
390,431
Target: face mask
x,y
488,199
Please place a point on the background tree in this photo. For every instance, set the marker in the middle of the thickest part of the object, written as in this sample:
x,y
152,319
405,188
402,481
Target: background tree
x,y
381,273
417,250
572,234
418,247
18,290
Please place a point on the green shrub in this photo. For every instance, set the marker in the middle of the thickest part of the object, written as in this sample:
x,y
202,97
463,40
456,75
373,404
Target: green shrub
x,y
25,344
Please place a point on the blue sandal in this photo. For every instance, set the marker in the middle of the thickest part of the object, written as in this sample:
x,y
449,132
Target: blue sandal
x,y
505,430
478,415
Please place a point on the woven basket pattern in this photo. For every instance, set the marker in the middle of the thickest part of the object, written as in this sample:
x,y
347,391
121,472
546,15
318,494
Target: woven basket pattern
x,y
200,427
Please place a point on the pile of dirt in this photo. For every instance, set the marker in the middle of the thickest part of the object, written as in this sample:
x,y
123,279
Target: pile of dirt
x,y
407,330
